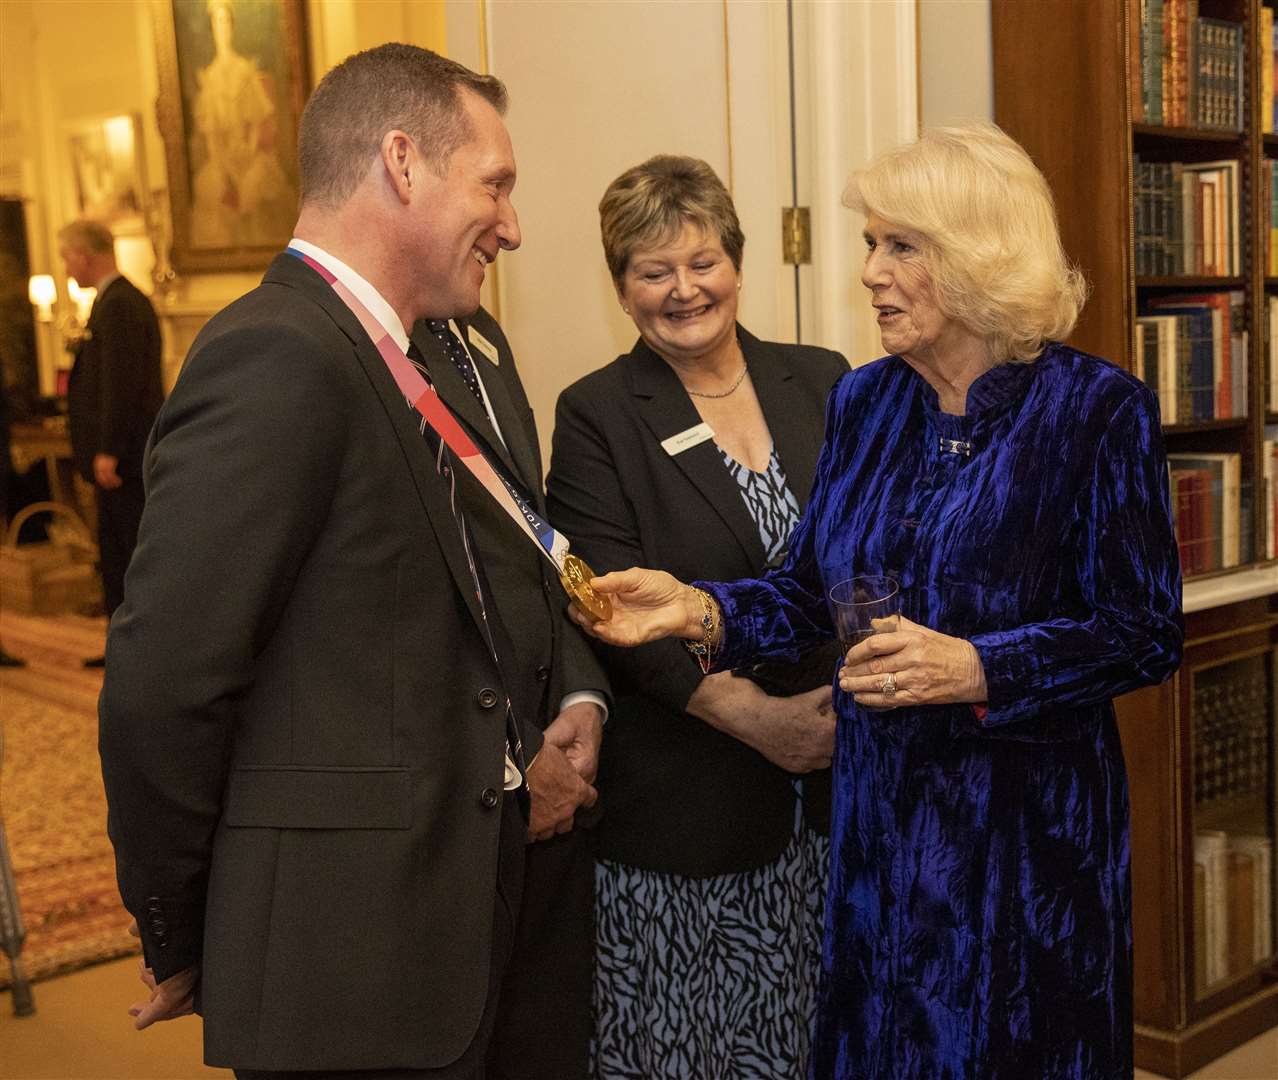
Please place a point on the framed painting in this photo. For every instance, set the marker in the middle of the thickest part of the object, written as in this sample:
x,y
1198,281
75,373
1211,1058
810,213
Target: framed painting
x,y
107,175
233,80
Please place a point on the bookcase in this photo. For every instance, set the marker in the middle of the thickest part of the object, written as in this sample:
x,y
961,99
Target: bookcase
x,y
1166,210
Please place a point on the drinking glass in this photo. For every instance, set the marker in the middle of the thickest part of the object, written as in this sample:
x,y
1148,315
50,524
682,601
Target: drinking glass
x,y
865,605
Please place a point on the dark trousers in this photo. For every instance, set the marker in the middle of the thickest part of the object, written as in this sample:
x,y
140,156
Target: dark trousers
x,y
544,1020
119,514
470,1066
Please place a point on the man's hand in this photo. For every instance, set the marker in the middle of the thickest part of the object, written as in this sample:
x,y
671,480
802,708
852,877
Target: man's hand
x,y
170,999
556,791
104,466
578,731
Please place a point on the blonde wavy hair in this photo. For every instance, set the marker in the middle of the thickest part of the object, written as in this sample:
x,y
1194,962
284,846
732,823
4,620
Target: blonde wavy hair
x,y
991,242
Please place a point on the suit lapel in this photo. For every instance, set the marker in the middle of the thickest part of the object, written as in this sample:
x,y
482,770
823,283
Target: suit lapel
x,y
524,457
667,410
454,393
431,488
787,409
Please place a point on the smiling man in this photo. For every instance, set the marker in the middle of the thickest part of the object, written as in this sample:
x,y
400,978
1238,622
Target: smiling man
x,y
322,751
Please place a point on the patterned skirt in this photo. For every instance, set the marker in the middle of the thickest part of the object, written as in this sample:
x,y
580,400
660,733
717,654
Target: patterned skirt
x,y
712,978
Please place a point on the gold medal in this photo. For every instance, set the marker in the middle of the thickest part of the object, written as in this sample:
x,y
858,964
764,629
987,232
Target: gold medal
x,y
575,578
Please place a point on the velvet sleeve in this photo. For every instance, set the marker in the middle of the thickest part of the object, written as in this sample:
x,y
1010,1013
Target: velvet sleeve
x,y
1129,630
586,500
784,613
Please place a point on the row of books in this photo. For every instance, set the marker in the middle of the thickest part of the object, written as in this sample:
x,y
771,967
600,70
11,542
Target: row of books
x,y
1186,218
1191,68
1192,352
1233,904
1271,349
1269,207
1232,726
1268,52
1269,472
1207,507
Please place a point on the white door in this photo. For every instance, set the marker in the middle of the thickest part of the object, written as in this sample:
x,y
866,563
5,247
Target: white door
x,y
783,99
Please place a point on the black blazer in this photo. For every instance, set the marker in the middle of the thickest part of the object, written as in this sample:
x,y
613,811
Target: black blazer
x,y
547,648
680,796
302,728
115,388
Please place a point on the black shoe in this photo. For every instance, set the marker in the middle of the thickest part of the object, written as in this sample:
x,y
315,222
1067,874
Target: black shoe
x,y
10,661
95,662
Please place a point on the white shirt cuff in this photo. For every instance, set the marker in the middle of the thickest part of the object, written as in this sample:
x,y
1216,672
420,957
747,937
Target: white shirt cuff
x,y
592,696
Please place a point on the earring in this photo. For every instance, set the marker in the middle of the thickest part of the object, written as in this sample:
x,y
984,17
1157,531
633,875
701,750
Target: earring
x,y
625,309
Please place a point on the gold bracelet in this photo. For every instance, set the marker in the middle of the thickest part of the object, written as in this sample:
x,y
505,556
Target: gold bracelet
x,y
705,649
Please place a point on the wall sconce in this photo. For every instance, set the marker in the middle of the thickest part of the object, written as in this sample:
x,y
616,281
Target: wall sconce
x,y
43,293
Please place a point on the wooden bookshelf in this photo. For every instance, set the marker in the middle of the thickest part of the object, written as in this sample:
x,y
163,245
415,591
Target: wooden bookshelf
x,y
1064,76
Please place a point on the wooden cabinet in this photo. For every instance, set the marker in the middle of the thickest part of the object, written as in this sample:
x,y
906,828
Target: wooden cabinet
x,y
1200,750
1199,765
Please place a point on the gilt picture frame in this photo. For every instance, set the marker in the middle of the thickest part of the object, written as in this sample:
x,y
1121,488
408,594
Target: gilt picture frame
x,y
107,175
233,79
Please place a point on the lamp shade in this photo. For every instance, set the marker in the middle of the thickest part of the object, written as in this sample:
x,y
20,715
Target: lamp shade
x,y
42,292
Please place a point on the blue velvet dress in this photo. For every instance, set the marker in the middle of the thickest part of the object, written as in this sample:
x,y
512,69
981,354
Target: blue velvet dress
x,y
978,923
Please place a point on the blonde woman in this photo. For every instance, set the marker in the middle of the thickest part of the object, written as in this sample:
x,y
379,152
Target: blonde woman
x,y
979,914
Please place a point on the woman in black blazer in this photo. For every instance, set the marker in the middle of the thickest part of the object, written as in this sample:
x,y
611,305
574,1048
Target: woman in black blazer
x,y
694,453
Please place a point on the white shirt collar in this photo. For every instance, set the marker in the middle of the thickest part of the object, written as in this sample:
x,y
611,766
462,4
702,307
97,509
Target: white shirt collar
x,y
368,296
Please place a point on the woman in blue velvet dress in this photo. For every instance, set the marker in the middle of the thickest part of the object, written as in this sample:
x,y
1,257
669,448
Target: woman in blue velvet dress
x,y
979,915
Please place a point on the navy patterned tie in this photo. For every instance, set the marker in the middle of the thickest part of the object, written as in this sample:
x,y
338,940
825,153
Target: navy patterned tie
x,y
444,466
458,355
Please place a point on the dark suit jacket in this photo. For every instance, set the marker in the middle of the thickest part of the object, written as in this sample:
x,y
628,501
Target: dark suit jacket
x,y
547,647
115,388
681,797
302,728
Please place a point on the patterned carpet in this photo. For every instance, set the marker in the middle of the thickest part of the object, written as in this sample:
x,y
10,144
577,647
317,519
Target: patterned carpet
x,y
51,796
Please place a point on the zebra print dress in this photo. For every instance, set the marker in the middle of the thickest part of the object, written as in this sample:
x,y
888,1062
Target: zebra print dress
x,y
714,978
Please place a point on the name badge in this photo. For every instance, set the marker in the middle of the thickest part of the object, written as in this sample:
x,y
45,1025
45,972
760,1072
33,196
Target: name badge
x,y
686,440
483,345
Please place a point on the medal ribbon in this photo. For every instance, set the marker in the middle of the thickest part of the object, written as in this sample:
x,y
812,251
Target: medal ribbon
x,y
422,396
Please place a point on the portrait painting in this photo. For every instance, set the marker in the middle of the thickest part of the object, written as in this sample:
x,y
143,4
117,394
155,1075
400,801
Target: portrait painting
x,y
106,172
232,84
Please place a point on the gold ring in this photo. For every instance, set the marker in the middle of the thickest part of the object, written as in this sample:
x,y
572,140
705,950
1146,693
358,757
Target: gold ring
x,y
889,684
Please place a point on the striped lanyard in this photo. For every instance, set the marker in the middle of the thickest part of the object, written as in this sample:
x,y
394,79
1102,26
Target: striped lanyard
x,y
422,396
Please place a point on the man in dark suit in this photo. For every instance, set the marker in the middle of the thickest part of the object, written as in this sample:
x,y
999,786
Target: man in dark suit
x,y
320,743
112,397
549,981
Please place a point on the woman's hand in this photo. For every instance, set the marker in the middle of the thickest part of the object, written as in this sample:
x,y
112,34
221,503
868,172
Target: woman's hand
x,y
796,733
916,666
646,605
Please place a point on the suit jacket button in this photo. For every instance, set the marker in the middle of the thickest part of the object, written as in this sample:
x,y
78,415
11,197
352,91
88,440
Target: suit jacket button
x,y
543,673
488,797
487,697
